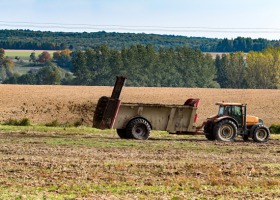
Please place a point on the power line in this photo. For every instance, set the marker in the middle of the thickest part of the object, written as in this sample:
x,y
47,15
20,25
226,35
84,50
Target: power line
x,y
111,27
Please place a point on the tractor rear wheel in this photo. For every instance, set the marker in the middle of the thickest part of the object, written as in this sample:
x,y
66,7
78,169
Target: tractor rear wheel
x,y
225,130
138,129
261,134
210,137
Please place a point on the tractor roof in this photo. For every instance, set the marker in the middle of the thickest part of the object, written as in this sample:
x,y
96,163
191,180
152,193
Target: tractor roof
x,y
229,104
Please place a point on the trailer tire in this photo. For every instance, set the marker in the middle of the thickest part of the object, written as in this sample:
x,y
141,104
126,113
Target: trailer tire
x,y
261,134
225,130
122,133
138,129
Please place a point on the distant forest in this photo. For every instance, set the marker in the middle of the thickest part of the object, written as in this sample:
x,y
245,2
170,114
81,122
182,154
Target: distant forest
x,y
46,40
146,66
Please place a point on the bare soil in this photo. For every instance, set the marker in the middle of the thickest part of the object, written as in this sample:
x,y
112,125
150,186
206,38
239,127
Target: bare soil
x,y
64,165
43,104
102,166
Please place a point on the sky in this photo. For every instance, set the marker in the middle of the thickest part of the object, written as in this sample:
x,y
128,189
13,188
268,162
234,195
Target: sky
x,y
192,18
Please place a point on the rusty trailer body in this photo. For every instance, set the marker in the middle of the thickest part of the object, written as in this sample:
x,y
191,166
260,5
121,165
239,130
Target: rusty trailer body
x,y
136,120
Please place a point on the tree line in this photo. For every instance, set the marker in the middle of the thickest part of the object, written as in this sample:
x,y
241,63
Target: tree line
x,y
144,65
46,40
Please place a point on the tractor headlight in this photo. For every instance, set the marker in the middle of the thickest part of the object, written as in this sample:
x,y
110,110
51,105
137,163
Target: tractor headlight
x,y
260,121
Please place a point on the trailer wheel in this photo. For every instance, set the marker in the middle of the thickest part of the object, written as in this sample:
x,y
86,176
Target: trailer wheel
x,y
225,130
138,129
261,134
122,133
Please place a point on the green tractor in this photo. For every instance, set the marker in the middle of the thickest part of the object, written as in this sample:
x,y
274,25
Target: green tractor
x,y
232,120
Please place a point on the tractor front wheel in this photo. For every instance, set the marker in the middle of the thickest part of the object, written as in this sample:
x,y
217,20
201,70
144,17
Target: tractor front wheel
x,y
261,134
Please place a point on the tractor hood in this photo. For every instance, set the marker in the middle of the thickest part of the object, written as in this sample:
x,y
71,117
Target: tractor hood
x,y
252,120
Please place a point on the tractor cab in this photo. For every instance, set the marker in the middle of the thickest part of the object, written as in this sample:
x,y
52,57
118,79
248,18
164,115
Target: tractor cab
x,y
233,110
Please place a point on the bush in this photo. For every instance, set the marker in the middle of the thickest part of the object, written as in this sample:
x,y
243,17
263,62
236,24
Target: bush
x,y
15,122
53,123
275,128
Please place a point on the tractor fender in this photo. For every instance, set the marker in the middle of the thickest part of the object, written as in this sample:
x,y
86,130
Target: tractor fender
x,y
218,119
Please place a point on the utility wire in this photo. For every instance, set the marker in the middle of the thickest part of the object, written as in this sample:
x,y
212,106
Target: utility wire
x,y
112,27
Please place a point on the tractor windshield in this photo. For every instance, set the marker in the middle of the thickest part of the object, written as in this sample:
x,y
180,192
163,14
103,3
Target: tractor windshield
x,y
230,110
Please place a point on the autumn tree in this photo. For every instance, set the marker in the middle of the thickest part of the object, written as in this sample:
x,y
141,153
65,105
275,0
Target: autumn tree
x,y
63,58
44,57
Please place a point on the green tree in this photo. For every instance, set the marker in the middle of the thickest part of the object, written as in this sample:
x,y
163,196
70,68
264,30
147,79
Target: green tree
x,y
221,63
49,75
235,69
6,66
264,69
32,58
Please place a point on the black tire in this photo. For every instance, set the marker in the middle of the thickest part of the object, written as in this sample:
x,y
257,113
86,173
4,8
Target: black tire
x,y
245,138
138,129
261,134
208,130
122,133
225,131
210,137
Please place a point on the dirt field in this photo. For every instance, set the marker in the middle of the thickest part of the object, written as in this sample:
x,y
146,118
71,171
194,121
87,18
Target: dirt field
x,y
60,165
44,104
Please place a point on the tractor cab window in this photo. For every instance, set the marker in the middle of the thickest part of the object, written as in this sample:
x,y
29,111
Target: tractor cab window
x,y
221,110
230,110
236,110
224,110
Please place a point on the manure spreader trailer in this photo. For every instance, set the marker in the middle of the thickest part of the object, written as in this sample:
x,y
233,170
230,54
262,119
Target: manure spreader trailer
x,y
136,120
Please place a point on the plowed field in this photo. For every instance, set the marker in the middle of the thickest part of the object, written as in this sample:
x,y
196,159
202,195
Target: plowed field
x,y
102,166
59,164
43,104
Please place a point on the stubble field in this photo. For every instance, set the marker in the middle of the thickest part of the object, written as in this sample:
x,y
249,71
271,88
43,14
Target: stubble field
x,y
86,163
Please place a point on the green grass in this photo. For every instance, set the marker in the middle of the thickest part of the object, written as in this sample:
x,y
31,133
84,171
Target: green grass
x,y
43,128
22,55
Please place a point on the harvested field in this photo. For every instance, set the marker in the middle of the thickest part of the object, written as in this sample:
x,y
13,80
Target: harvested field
x,y
61,165
43,104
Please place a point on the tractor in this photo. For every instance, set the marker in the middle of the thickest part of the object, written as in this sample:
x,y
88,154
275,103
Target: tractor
x,y
232,120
